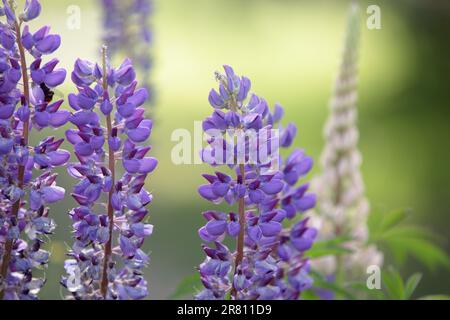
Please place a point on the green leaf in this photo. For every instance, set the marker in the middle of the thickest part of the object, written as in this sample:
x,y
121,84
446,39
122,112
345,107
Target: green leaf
x,y
393,284
392,219
379,223
309,295
187,286
423,250
411,284
376,294
408,232
321,252
328,247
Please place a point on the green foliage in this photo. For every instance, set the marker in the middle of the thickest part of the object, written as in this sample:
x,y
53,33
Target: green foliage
x,y
411,284
398,289
393,284
328,247
187,287
392,287
402,240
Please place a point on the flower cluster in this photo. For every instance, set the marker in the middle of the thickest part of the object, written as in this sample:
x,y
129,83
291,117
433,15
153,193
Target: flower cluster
x,y
269,261
110,222
27,184
127,31
343,208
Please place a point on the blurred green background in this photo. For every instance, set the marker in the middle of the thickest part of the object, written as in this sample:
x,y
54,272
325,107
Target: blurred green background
x,y
290,49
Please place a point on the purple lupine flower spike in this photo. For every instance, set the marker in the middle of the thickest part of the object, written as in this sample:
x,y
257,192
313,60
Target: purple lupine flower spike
x,y
127,32
27,184
269,260
106,260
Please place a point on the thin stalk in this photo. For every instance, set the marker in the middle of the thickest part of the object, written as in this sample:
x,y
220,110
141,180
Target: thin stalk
x,y
108,245
240,240
241,211
24,141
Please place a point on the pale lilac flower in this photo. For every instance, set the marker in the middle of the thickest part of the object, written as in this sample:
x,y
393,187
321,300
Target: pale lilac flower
x,y
343,207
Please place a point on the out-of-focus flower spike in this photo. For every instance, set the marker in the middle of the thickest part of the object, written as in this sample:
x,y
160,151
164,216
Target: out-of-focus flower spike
x,y
343,207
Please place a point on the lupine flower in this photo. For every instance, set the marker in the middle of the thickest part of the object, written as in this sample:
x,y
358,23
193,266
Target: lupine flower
x,y
27,184
127,32
269,260
343,207
106,260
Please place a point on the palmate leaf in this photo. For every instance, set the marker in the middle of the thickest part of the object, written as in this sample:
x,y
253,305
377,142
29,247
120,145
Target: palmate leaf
x,y
375,294
393,284
393,219
402,240
396,288
423,250
411,284
328,247
188,286
379,223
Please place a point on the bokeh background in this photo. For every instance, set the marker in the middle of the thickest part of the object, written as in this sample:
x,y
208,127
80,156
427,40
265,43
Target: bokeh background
x,y
291,51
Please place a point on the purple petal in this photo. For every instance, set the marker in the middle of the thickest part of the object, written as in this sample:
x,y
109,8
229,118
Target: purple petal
x,y
81,118
139,134
83,67
58,158
6,111
278,113
84,149
272,187
270,229
49,44
142,230
32,10
73,137
147,165
254,233
125,75
53,194
126,110
308,201
206,192
256,196
106,107
220,189
59,118
233,228
131,166
215,99
139,97
6,145
216,227
85,102
55,78
127,247
205,236
42,119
